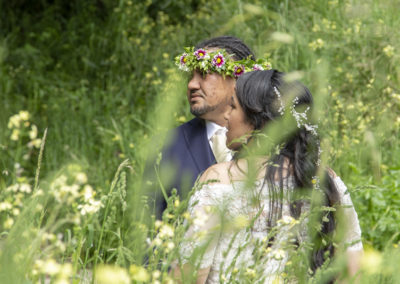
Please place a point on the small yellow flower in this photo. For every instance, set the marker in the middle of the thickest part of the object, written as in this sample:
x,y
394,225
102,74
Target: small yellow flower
x,y
181,119
388,50
15,211
51,267
5,206
33,132
66,270
14,121
81,178
251,273
371,261
15,135
316,28
111,274
200,219
278,254
35,143
157,241
317,44
158,224
241,221
156,274
88,192
24,115
170,246
116,138
139,273
287,220
8,223
166,231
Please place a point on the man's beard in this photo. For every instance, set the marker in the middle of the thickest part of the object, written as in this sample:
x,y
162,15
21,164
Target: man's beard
x,y
200,111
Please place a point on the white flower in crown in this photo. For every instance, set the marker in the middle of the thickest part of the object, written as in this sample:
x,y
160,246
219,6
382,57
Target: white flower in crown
x,y
257,67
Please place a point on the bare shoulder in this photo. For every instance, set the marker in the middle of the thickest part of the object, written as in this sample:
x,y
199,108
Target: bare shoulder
x,y
217,173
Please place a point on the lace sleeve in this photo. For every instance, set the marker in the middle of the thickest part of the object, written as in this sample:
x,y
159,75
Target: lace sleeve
x,y
352,234
200,240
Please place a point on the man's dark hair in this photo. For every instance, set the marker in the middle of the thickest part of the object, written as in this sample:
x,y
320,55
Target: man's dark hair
x,y
231,44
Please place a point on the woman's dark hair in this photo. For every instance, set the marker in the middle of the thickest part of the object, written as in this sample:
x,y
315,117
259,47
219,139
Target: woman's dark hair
x,y
260,94
231,44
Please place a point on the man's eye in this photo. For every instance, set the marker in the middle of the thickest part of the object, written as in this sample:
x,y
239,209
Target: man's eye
x,y
204,73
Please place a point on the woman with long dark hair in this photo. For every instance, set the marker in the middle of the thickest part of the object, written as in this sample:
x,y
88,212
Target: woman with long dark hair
x,y
249,215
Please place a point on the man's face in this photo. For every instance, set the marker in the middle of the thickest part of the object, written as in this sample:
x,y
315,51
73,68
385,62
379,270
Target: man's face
x,y
209,95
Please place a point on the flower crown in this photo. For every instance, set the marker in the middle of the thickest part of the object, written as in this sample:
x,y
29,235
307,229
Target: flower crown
x,y
217,61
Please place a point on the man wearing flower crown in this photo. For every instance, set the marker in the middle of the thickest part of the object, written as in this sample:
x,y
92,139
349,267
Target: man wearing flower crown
x,y
214,65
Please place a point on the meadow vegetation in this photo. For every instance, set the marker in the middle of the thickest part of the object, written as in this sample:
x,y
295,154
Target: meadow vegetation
x,y
84,85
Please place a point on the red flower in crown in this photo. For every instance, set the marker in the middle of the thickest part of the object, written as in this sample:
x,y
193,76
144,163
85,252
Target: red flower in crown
x,y
218,60
239,70
200,53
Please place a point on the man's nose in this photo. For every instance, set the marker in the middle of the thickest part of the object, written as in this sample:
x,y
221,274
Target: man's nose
x,y
194,83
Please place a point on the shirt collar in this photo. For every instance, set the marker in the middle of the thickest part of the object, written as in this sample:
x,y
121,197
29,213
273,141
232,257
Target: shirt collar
x,y
212,128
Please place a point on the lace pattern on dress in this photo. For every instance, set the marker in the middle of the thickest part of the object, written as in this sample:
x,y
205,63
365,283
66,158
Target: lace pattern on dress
x,y
213,205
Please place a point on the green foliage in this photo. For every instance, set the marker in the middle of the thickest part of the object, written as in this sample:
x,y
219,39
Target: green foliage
x,y
100,76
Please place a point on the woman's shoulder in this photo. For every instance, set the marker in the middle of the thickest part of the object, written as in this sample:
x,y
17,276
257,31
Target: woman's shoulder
x,y
217,173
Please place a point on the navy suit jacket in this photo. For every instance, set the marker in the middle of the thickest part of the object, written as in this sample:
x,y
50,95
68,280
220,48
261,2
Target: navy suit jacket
x,y
184,157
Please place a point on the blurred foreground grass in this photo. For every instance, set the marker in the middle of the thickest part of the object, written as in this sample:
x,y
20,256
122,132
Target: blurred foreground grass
x,y
100,76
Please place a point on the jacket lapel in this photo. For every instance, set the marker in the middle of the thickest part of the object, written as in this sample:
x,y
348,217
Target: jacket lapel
x,y
197,143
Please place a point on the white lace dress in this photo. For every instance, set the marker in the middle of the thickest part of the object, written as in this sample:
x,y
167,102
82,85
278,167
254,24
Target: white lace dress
x,y
222,214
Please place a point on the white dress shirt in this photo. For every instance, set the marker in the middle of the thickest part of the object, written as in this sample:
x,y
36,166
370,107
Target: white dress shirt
x,y
211,129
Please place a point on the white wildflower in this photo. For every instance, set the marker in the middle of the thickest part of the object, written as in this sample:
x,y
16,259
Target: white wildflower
x,y
166,231
33,132
13,188
24,115
278,254
88,192
111,274
388,50
81,178
50,267
4,206
35,143
15,135
90,208
15,211
8,223
14,121
25,187
200,219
